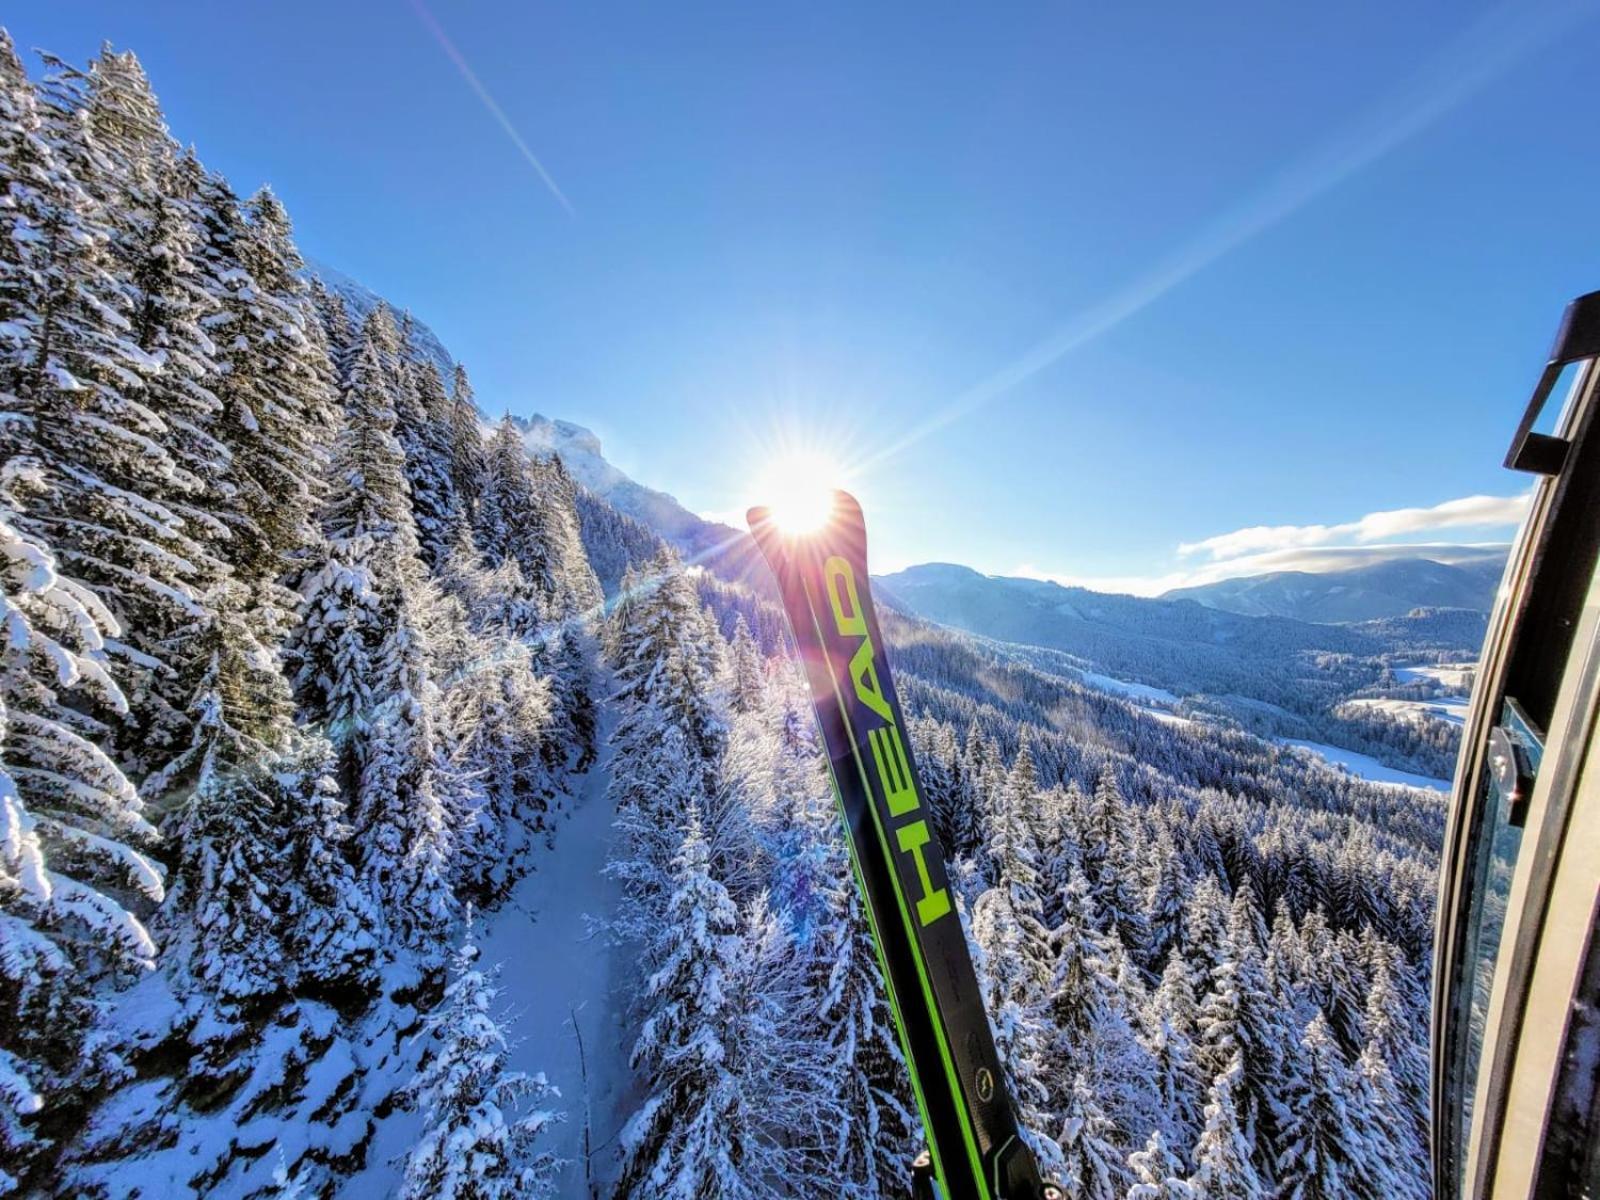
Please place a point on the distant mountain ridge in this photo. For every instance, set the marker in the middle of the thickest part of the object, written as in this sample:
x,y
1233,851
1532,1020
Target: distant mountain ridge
x,y
579,449
1180,645
1374,592
1365,593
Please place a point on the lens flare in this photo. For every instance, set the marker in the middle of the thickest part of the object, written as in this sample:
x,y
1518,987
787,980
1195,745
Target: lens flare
x,y
798,490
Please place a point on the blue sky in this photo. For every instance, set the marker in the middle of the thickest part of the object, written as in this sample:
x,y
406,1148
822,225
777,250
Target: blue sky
x,y
1076,289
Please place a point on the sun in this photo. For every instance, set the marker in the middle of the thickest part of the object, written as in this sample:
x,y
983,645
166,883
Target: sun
x,y
797,488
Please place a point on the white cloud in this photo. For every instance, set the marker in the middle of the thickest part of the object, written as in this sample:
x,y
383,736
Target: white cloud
x,y
1468,512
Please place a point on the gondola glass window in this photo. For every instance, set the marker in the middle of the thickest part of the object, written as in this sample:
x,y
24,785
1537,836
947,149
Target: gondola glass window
x,y
1512,761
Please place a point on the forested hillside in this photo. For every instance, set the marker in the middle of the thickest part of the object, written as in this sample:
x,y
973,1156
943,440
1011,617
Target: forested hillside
x,y
295,666
302,662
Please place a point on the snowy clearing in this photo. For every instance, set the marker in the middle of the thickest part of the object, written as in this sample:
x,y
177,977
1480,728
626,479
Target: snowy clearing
x,y
1451,675
1141,692
1364,765
1452,709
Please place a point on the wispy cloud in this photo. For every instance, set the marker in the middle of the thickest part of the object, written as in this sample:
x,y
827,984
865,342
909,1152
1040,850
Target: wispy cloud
x,y
1468,512
1498,41
431,23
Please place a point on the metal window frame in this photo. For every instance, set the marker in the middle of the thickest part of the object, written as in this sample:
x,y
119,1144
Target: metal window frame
x,y
1507,1085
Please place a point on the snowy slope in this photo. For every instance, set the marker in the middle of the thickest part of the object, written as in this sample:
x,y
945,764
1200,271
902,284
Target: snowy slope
x,y
359,300
1365,766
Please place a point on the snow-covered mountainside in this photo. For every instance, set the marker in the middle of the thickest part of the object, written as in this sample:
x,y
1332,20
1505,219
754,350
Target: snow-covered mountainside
x,y
1386,589
580,450
717,546
359,301
351,846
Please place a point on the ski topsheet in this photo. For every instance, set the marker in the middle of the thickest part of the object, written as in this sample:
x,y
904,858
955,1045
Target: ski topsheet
x,y
933,989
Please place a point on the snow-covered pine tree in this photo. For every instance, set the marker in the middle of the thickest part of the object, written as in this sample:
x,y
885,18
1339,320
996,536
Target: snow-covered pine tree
x,y
71,832
495,719
1325,1155
467,463
1172,1017
1223,1164
278,410
666,654
1157,1173
746,671
263,895
1167,901
403,798
573,588
363,661
1011,980
1205,932
870,1149
688,1138
339,333
1090,1021
509,524
344,594
427,445
1092,1164
473,1145
76,376
1400,1164
1011,855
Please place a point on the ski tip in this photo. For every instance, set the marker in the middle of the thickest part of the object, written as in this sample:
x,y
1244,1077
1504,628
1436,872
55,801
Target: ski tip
x,y
844,509
843,530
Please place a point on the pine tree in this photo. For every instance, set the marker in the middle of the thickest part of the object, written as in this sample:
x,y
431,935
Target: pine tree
x,y
363,659
472,1146
1157,1173
746,670
870,1148
1090,1022
76,379
403,795
574,589
1323,1148
1011,979
425,438
509,522
664,653
688,1138
1167,902
1222,1157
1092,1164
338,332
71,832
467,461
1173,1030
369,542
496,720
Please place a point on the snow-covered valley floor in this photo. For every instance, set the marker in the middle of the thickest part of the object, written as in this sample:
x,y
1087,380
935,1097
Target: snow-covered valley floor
x,y
556,959
1365,765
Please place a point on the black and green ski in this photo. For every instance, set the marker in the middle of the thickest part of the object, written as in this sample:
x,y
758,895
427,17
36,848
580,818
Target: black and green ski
x,y
971,1125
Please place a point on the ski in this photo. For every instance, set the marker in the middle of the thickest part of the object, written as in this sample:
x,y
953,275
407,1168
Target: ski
x,y
971,1125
